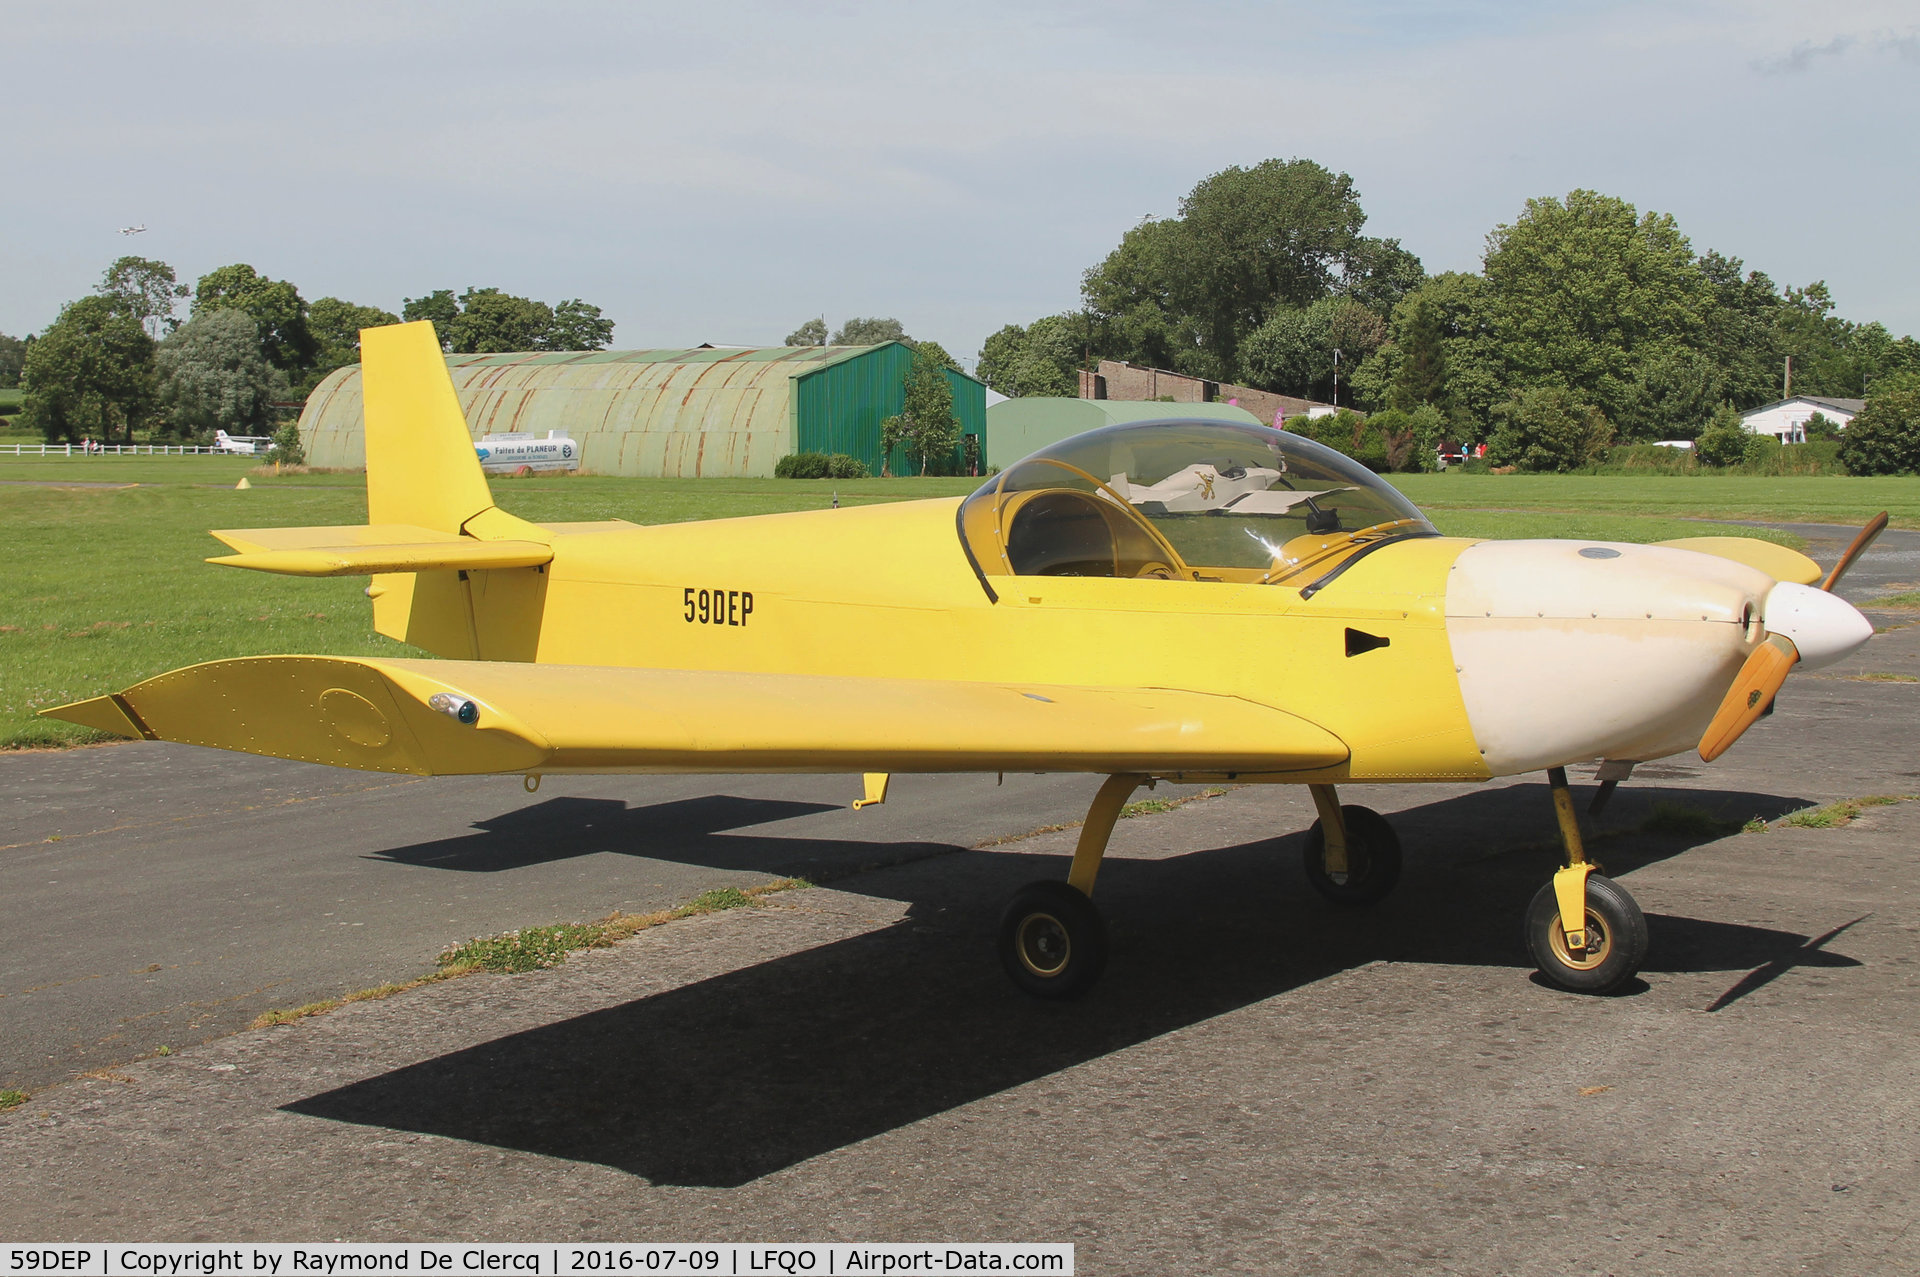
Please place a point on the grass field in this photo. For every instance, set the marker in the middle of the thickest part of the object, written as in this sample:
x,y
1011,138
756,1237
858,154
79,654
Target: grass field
x,y
106,585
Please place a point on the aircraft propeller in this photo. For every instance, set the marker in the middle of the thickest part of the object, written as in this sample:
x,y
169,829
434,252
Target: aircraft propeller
x,y
1790,608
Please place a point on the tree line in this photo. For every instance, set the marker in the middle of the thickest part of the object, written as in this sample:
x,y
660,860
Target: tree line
x,y
119,362
1590,322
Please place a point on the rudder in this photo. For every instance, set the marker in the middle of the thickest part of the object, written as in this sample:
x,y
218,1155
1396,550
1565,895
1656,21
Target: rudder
x,y
421,467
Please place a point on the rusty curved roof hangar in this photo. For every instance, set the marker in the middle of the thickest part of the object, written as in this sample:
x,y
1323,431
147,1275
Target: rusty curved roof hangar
x,y
674,413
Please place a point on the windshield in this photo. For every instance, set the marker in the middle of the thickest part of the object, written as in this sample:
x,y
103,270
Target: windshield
x,y
1183,500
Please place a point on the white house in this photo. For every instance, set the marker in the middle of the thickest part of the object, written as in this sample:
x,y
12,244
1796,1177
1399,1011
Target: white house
x,y
1787,419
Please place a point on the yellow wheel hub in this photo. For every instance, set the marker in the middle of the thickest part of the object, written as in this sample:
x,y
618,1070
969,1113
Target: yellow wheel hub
x,y
1599,944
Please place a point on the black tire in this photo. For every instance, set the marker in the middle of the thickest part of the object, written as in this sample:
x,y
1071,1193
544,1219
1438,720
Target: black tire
x,y
1616,938
1052,940
1373,860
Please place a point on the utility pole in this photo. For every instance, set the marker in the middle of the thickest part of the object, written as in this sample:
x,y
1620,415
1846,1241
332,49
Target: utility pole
x,y
1786,385
1336,376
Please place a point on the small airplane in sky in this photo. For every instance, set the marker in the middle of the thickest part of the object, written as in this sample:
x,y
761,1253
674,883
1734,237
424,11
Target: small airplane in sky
x,y
1190,601
133,230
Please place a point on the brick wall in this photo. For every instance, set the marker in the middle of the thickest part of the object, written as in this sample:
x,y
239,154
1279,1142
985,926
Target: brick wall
x,y
1133,383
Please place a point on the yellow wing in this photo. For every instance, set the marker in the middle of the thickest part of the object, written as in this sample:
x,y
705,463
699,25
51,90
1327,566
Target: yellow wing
x,y
475,717
1777,561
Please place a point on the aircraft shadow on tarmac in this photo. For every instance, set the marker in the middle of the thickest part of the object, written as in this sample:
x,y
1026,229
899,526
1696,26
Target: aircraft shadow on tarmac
x,y
722,1082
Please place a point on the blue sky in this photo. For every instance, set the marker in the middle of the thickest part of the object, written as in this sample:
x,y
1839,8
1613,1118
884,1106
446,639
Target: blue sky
x,y
721,172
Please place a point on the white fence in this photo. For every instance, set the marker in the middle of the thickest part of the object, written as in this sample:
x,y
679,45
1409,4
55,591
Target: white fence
x,y
110,449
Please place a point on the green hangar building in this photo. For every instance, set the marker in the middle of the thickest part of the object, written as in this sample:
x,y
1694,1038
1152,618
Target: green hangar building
x,y
710,412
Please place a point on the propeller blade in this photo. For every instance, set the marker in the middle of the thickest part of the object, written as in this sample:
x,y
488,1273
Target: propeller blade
x,y
1753,690
1875,526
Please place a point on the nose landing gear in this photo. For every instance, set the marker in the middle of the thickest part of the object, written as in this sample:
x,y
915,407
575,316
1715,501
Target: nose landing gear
x,y
1584,931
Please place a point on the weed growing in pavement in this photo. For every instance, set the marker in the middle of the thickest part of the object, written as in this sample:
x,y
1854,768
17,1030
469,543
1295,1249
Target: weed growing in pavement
x,y
1882,678
1836,815
1905,599
533,948
1154,806
1756,825
12,1099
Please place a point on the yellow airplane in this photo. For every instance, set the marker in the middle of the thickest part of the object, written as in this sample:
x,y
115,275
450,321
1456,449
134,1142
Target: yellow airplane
x,y
1183,601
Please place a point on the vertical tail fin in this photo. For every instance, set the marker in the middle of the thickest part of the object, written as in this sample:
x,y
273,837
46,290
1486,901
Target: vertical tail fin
x,y
421,467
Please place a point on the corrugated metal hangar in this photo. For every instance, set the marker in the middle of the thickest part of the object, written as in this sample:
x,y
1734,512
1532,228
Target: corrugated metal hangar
x,y
709,412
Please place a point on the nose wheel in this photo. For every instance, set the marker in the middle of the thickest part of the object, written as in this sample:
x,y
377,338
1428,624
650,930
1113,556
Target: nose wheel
x,y
1609,952
1584,931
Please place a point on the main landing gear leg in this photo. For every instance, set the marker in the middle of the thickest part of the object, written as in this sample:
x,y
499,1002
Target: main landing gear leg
x,y
1052,940
1352,856
1584,930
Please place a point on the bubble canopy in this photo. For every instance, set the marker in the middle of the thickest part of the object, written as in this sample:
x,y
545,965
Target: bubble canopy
x,y
1184,501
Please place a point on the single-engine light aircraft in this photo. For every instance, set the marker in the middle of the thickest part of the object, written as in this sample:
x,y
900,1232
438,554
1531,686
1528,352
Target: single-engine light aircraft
x,y
1175,600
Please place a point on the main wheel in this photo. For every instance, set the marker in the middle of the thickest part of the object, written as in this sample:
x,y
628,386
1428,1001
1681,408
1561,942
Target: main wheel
x,y
1373,859
1616,938
1052,940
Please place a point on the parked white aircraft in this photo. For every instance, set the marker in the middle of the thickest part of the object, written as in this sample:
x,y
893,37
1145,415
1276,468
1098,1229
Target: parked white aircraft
x,y
241,445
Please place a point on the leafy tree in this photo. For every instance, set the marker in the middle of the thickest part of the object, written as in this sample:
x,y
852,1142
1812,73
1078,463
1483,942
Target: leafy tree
x,y
1584,290
1247,240
489,321
1409,438
13,353
493,322
811,333
286,449
1821,429
213,376
928,427
1885,437
89,374
1039,360
871,332
1724,441
1292,352
1421,377
145,289
1129,301
440,307
1547,428
275,305
578,326
1378,273
1742,338
336,325
1674,389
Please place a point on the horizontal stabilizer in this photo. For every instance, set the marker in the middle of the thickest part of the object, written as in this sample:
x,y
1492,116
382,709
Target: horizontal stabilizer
x,y
371,548
1777,561
475,717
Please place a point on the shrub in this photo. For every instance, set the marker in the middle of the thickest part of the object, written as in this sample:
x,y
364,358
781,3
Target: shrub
x,y
801,465
1724,441
1548,429
1885,437
286,449
819,465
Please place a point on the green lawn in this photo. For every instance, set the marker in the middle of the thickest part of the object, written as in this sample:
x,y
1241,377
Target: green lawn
x,y
106,585
1792,499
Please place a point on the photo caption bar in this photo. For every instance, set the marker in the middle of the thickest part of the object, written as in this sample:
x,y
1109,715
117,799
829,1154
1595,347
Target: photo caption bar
x,y
544,1259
